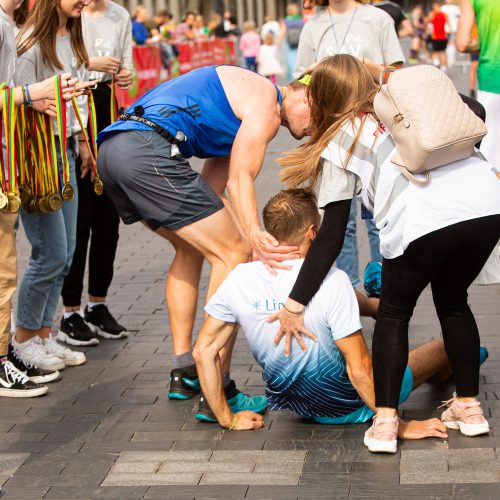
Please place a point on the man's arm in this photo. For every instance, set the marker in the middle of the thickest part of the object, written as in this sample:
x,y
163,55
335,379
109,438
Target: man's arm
x,y
359,366
247,156
465,25
213,336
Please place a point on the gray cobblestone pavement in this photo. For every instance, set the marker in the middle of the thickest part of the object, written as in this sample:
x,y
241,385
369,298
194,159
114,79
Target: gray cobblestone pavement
x,y
107,430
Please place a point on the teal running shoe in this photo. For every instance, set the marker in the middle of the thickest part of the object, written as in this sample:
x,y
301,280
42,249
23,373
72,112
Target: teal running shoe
x,y
483,354
373,279
236,400
184,383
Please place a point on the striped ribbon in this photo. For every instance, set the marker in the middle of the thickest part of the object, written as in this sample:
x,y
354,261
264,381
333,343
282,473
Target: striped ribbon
x,y
9,121
113,104
61,128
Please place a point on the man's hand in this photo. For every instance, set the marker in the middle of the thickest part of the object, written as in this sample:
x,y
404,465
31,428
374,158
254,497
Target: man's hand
x,y
248,420
267,249
291,325
105,64
420,429
124,78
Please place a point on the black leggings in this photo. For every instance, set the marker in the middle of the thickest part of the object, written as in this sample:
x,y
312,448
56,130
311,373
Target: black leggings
x,y
449,259
97,216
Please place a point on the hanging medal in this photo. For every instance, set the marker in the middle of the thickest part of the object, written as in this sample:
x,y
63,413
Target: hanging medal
x,y
22,162
68,193
91,147
10,171
4,201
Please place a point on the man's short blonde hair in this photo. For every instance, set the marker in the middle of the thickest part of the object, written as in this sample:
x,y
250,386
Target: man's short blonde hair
x,y
288,215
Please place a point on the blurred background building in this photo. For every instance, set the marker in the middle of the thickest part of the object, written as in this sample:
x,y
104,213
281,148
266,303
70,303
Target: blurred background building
x,y
241,9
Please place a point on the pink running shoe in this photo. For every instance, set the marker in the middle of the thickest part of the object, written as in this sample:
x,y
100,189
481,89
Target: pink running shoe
x,y
382,436
467,417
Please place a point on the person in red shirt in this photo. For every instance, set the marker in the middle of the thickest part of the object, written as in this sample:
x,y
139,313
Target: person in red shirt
x,y
439,20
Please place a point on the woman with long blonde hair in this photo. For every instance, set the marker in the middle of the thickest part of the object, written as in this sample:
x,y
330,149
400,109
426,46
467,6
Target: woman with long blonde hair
x,y
440,234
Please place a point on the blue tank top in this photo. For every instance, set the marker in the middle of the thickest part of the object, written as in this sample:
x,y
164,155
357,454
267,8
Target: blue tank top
x,y
194,104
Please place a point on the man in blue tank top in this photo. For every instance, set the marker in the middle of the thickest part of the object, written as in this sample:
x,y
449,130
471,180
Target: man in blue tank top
x,y
226,115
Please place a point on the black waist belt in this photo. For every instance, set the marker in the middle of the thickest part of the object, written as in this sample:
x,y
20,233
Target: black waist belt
x,y
160,130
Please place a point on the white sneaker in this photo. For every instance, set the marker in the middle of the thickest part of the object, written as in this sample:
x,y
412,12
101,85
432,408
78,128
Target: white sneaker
x,y
33,353
70,358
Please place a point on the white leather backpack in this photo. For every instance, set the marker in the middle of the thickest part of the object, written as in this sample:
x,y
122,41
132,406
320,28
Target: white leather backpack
x,y
427,119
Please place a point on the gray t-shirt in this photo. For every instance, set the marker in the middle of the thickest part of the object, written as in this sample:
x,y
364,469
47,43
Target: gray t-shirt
x,y
7,58
7,50
364,32
109,34
31,69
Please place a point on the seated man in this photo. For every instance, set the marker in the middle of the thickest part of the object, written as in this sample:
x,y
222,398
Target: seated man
x,y
332,382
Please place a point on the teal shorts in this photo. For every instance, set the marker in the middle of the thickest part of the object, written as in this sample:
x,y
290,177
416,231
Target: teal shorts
x,y
363,414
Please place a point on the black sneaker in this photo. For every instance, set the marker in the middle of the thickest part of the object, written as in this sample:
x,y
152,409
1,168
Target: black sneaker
x,y
36,375
102,322
15,384
184,383
237,401
74,331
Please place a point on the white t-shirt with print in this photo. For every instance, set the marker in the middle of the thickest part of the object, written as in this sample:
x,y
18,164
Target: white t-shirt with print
x,y
403,211
314,383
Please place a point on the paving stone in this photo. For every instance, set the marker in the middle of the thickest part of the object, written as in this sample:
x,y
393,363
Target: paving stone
x,y
132,479
137,467
106,492
463,476
202,492
283,467
255,478
310,491
206,467
258,456
165,456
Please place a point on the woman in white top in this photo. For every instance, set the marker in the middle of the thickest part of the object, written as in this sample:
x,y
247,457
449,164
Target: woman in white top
x,y
440,234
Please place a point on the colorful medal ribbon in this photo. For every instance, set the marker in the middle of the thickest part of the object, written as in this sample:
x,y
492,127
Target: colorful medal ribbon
x,y
3,198
10,172
113,104
68,193
92,149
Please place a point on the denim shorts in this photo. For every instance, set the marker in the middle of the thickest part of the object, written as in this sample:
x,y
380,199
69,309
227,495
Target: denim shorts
x,y
363,414
145,182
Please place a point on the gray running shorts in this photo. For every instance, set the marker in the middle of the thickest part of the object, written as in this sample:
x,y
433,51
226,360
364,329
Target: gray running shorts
x,y
146,183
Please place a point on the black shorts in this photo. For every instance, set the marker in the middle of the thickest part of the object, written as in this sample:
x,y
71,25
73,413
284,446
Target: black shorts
x,y
146,183
439,45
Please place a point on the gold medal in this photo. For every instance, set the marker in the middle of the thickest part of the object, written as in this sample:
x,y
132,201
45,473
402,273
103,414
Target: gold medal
x,y
42,205
68,193
98,186
54,201
24,194
4,201
14,203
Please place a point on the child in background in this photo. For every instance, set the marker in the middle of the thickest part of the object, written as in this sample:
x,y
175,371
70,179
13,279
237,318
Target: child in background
x,y
267,61
250,44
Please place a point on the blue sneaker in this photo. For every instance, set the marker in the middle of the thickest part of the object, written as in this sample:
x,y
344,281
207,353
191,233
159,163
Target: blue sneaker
x,y
236,400
373,279
184,383
483,354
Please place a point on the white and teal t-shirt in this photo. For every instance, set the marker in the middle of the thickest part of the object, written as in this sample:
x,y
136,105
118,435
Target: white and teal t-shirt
x,y
311,384
403,211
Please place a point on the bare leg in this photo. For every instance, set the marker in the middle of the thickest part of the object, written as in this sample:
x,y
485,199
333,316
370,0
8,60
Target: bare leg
x,y
23,334
368,306
429,361
181,292
224,249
